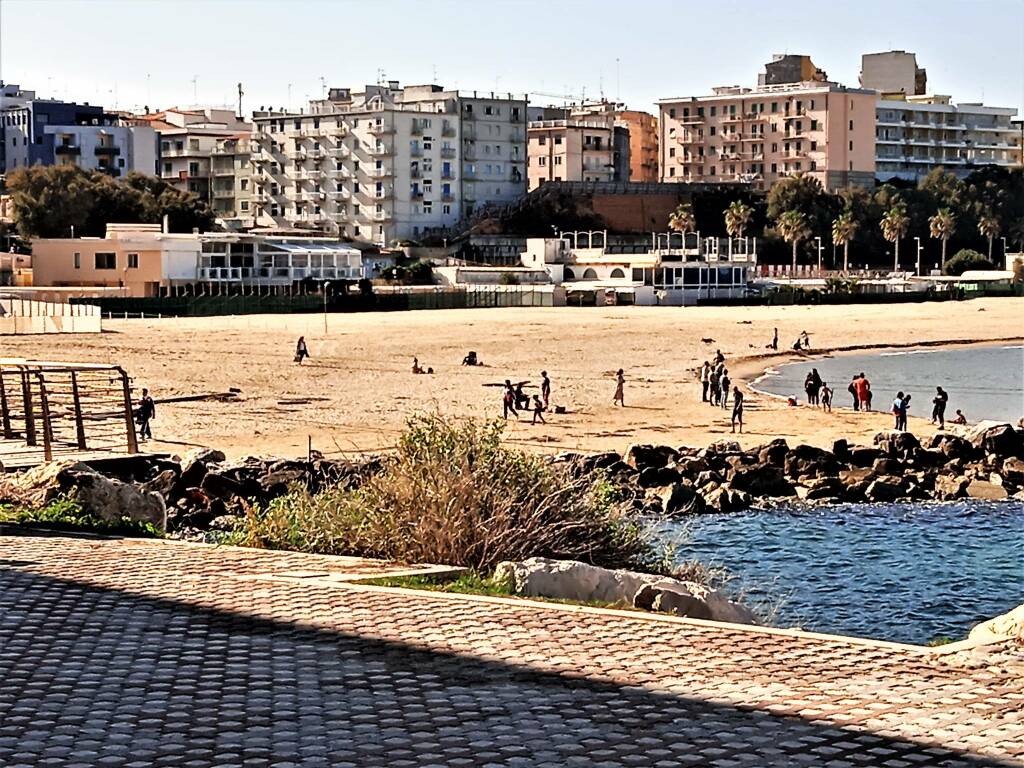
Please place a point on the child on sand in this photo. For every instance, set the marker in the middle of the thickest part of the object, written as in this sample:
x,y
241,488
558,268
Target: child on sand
x,y
538,410
620,383
508,401
826,397
301,351
959,418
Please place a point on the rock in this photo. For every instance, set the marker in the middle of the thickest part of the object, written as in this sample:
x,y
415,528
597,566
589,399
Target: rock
x,y
277,482
1013,471
706,478
101,497
599,461
773,453
163,485
1008,626
949,487
883,490
216,485
856,475
642,456
886,466
656,477
225,523
810,460
824,488
573,580
983,489
695,601
951,446
680,499
726,499
762,480
998,438
841,449
897,444
724,447
194,466
691,468
863,456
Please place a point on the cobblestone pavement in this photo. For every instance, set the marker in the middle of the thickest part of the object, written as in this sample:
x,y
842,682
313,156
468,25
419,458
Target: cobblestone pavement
x,y
143,653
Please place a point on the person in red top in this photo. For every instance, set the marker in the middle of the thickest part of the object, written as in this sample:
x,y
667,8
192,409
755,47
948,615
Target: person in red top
x,y
863,388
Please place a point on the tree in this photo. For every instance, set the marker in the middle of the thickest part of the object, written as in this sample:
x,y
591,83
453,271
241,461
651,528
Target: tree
x,y
895,223
964,260
737,218
804,194
843,230
792,225
988,227
942,226
682,219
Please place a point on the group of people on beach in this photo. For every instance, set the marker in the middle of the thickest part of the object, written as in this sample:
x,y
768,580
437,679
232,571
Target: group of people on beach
x,y
818,391
714,385
514,399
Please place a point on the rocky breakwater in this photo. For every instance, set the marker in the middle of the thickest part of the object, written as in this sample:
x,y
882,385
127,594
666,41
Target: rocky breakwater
x,y
986,463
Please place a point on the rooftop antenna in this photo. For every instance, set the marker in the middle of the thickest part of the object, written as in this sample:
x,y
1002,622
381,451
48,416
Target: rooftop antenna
x,y
323,87
149,92
434,68
241,93
195,89
618,92
288,107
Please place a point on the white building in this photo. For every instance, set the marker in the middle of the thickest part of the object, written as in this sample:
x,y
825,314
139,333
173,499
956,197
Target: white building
x,y
920,133
388,163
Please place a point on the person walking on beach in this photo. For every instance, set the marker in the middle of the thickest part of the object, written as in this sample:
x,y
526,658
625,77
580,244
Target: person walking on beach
x,y
301,350
737,409
716,393
723,387
508,401
145,413
545,389
939,407
620,386
538,410
705,380
826,397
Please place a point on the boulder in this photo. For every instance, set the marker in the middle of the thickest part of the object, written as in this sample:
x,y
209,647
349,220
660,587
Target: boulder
x,y
886,466
810,461
726,499
216,485
1013,471
824,488
573,580
101,497
883,490
599,461
949,487
841,449
680,499
983,489
641,457
656,477
762,480
856,475
1008,626
163,485
773,453
862,455
723,447
998,438
695,601
951,446
194,466
691,468
277,481
897,444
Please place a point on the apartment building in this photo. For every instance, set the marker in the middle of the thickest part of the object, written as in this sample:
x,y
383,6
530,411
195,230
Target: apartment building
x,y
893,72
188,140
763,134
583,142
388,162
642,128
231,174
37,131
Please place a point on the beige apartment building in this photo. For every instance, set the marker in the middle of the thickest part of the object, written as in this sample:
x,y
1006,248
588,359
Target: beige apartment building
x,y
188,139
584,142
643,144
777,129
388,163
231,181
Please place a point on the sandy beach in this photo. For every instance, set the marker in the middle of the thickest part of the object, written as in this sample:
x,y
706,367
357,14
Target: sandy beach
x,y
356,391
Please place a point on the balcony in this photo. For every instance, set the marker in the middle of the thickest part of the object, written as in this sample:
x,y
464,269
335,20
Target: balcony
x,y
338,173
67,149
299,154
224,193
448,131
340,151
448,153
339,194
385,193
691,119
380,215
447,197
794,114
447,175
380,129
416,194
222,171
416,151
379,173
416,129
379,149
314,154
414,173
107,151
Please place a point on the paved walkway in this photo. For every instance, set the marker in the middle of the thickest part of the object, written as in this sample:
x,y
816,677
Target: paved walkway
x,y
142,653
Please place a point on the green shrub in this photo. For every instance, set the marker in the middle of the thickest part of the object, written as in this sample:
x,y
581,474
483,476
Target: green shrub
x,y
964,260
67,514
455,494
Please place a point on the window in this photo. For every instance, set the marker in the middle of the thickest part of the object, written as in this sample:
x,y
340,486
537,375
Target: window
x,y
851,146
133,261
714,110
712,132
851,125
78,260
672,112
106,260
558,139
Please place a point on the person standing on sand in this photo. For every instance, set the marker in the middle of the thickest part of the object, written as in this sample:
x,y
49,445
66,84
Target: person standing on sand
x,y
852,389
737,409
508,401
863,387
545,389
145,413
897,410
620,385
775,340
719,357
939,407
301,351
538,410
705,381
826,397
716,393
723,388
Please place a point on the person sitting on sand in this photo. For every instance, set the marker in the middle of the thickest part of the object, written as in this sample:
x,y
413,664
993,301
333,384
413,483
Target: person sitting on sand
x,y
538,410
826,397
522,399
959,418
470,359
620,385
508,401
805,340
737,409
416,366
301,350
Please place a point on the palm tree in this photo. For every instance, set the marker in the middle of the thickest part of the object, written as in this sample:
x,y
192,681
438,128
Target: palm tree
x,y
988,226
843,230
941,226
682,219
895,224
737,218
793,227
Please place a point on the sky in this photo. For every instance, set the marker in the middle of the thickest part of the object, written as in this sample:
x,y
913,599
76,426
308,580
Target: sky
x,y
129,53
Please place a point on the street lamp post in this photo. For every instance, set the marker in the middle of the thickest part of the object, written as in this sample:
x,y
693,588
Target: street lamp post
x,y
324,288
819,255
918,240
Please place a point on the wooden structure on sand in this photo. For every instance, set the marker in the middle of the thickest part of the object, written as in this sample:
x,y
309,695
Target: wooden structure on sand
x,y
54,410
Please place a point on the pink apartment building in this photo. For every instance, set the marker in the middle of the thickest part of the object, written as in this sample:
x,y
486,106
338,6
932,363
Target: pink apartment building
x,y
777,129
